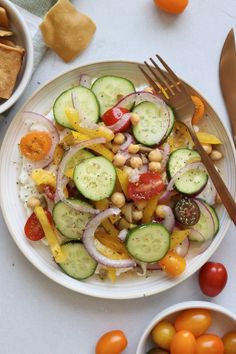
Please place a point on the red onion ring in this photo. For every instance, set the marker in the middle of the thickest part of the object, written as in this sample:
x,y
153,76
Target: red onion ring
x,y
129,140
169,220
84,121
183,247
197,248
165,156
208,194
60,175
85,80
186,168
154,266
88,241
48,124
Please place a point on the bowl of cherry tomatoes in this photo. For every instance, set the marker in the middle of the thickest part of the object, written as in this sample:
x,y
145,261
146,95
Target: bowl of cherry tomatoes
x,y
193,327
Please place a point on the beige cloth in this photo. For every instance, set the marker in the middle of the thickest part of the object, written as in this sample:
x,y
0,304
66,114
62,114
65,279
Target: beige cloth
x,y
66,30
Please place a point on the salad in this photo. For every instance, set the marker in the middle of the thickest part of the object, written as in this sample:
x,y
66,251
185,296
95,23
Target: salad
x,y
111,181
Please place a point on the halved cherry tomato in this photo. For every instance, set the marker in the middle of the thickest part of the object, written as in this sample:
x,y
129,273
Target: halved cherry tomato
x,y
36,145
183,342
172,6
196,321
209,344
212,278
113,342
162,334
113,115
229,341
33,229
149,185
173,264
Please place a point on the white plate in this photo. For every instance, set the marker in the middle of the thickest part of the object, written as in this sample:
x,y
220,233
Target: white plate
x,y
15,215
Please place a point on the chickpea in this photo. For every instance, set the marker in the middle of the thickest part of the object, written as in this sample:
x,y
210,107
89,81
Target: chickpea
x,y
141,204
216,155
207,148
128,170
33,202
133,148
135,119
160,211
137,215
119,160
119,139
136,162
155,155
118,199
155,166
115,148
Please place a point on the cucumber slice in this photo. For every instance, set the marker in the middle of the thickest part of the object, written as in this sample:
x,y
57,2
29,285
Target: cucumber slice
x,y
88,103
109,89
68,221
190,182
148,243
214,216
77,158
95,178
172,122
205,229
152,127
79,264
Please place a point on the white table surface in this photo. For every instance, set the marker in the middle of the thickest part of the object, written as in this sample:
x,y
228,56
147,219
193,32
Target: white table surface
x,y
38,316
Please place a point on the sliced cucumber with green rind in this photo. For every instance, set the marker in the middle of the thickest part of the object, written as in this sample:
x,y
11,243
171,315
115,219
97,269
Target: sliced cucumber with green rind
x,y
172,122
148,243
88,104
78,157
110,89
214,216
70,222
95,178
79,264
190,182
152,126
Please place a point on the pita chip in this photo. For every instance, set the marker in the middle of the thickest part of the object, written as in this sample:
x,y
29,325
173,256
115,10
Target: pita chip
x,y
3,18
5,33
66,30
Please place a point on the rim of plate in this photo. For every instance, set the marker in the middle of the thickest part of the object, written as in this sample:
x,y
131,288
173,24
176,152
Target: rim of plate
x,y
180,307
85,287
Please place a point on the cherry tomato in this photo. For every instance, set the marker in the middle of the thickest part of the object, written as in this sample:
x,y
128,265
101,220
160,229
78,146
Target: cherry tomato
x,y
173,264
149,185
212,278
162,334
183,342
196,321
113,342
33,229
172,6
209,344
229,341
113,115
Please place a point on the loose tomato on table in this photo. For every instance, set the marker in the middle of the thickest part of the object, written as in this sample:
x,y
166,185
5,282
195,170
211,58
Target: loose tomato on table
x,y
33,229
183,342
162,334
36,145
196,321
212,278
148,185
173,264
229,341
209,344
113,342
172,6
113,115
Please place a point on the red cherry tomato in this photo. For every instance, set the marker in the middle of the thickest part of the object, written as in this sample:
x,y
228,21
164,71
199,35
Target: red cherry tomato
x,y
33,229
209,344
113,342
229,341
149,185
183,342
196,321
212,278
113,115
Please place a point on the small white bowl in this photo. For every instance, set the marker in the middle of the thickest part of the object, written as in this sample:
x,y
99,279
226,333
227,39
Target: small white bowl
x,y
22,37
223,321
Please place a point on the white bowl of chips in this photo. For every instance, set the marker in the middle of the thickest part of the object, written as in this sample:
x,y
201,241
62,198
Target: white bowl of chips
x,y
16,55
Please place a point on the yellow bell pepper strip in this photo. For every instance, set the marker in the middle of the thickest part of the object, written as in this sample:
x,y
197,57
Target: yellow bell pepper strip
x,y
111,241
206,138
73,117
150,209
69,173
69,140
103,205
40,176
58,154
177,237
106,223
50,235
179,137
109,253
111,273
123,180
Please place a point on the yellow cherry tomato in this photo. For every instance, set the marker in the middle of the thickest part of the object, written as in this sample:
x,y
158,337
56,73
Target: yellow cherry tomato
x,y
162,334
173,264
229,341
196,321
113,342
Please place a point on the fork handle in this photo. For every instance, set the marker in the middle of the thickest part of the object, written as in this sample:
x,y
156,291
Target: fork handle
x,y
218,182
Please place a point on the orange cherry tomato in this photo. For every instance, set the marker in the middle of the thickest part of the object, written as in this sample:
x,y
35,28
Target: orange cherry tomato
x,y
196,321
36,145
229,341
209,344
162,334
173,264
113,342
172,6
183,342
199,110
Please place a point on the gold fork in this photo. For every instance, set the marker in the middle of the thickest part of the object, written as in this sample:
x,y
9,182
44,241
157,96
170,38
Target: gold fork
x,y
172,90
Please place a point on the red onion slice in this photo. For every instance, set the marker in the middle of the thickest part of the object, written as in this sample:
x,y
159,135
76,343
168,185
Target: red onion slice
x,y
166,195
88,241
183,247
50,128
61,178
128,140
169,220
85,80
186,168
154,266
116,127
208,194
84,121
